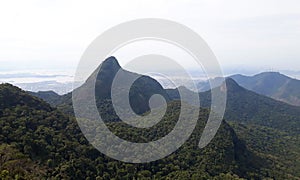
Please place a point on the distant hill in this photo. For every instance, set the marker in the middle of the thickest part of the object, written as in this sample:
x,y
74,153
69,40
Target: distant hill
x,y
272,84
46,85
49,96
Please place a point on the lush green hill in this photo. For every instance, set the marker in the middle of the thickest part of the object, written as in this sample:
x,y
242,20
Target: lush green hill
x,y
51,142
272,84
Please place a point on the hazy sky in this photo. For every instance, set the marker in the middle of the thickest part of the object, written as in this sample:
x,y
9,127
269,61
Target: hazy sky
x,y
52,34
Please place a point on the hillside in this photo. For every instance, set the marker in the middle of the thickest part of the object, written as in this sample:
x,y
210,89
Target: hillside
x,y
272,84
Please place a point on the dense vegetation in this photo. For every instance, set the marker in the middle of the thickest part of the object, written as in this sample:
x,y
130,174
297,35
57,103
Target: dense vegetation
x,y
47,143
280,149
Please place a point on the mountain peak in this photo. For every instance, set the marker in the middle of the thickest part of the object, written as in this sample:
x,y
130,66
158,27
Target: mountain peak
x,y
141,87
110,63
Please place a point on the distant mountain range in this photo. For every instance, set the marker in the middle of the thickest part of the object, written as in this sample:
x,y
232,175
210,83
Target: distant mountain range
x,y
57,87
245,106
272,84
248,107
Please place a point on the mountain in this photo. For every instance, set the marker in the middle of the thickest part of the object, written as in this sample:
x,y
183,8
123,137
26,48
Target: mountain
x,y
139,94
245,106
272,84
252,108
38,141
142,88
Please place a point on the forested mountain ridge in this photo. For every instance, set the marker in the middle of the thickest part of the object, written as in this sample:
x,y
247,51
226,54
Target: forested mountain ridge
x,y
51,143
247,107
272,84
257,119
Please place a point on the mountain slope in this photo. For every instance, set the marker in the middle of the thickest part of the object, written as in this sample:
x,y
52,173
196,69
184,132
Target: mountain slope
x,y
272,84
